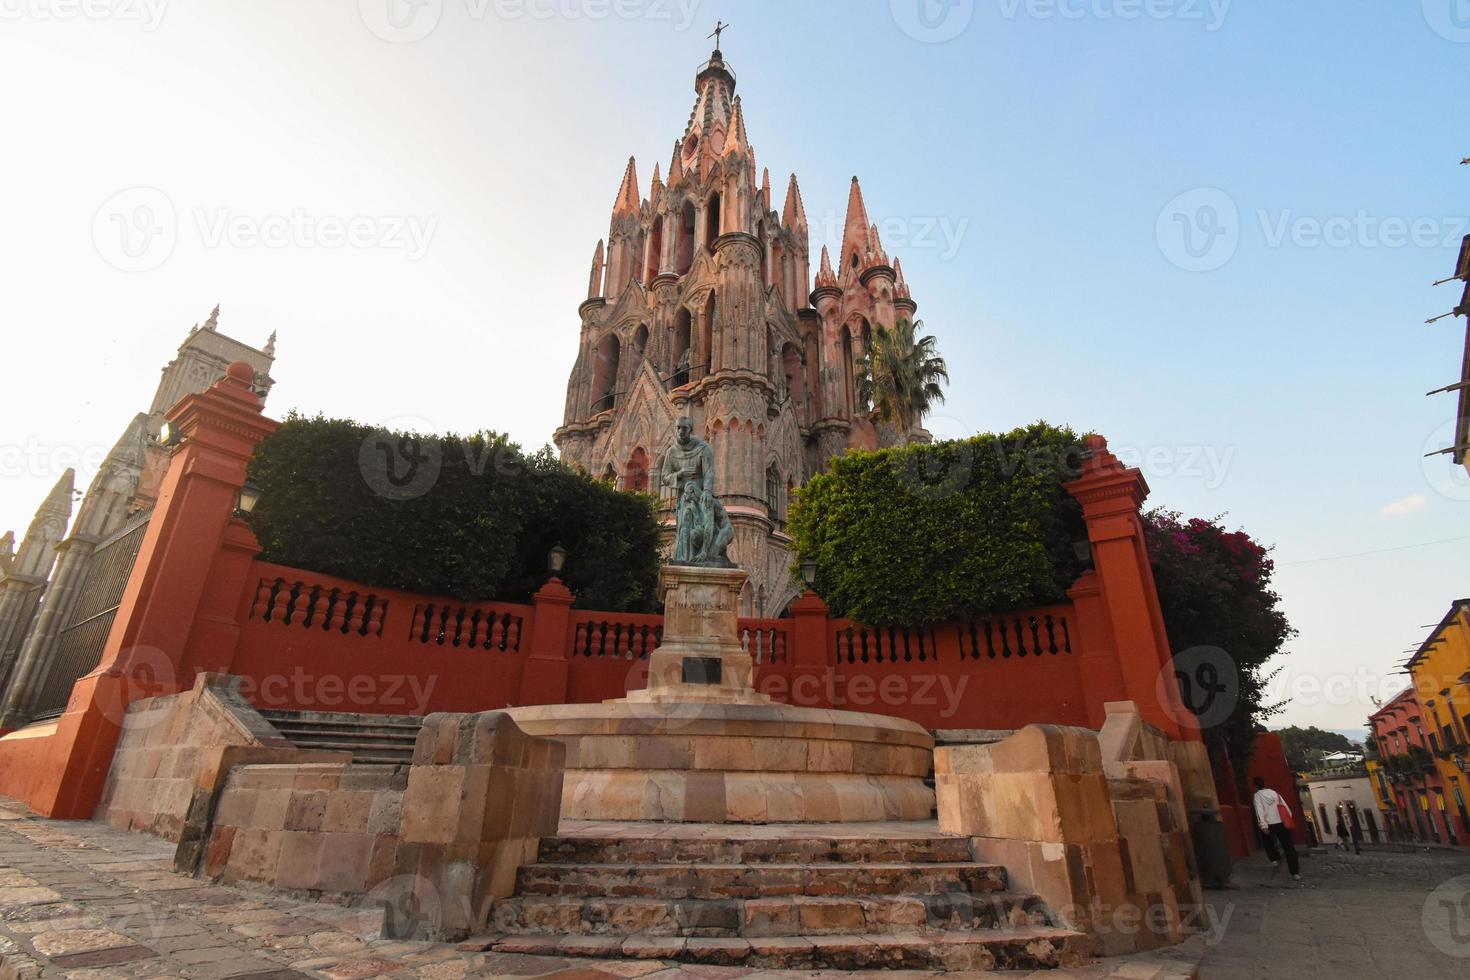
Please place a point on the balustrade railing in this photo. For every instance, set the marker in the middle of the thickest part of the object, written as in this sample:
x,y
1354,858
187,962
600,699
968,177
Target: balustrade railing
x,y
481,626
603,636
1027,634
305,605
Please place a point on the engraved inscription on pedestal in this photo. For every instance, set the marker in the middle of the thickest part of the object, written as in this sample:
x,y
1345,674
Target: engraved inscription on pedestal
x,y
702,670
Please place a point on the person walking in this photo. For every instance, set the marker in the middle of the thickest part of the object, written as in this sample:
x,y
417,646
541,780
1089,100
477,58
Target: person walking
x,y
1343,837
1273,817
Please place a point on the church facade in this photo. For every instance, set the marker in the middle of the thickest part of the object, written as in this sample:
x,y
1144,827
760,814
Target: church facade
x,y
701,302
54,586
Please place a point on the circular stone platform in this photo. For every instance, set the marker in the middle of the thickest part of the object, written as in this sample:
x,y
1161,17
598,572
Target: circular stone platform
x,y
735,763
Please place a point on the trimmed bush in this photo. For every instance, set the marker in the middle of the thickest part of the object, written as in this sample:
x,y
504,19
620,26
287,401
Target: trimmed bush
x,y
951,531
469,517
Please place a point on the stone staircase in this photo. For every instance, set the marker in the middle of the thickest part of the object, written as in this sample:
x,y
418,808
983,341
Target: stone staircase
x,y
376,739
915,901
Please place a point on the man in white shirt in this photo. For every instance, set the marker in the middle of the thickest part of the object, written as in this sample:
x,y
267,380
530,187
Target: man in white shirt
x,y
1270,810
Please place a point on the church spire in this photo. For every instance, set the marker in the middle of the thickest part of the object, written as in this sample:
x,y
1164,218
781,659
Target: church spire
x,y
825,275
628,198
7,552
58,501
213,322
270,345
855,230
735,140
676,165
793,215
594,281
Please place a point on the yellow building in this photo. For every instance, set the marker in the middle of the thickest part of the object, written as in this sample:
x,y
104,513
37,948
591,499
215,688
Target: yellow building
x,y
1440,671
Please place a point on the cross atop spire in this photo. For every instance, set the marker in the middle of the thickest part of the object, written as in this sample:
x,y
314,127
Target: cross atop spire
x,y
720,27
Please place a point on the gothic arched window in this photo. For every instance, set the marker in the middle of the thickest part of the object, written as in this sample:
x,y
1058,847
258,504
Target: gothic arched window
x,y
712,220
655,250
635,476
605,374
686,238
680,349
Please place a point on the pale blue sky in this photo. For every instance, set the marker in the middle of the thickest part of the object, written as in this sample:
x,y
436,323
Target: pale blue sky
x,y
1023,170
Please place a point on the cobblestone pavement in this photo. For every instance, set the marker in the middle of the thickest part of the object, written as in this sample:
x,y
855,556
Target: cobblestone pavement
x,y
1350,918
88,902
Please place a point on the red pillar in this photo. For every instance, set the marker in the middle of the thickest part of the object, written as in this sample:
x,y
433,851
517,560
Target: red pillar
x,y
544,680
1111,494
144,654
811,662
1097,661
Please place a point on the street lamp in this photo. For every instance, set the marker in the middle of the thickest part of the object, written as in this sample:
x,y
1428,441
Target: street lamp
x,y
556,560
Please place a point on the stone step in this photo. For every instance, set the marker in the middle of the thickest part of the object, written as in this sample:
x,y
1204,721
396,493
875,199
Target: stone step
x,y
799,915
757,880
986,949
372,739
785,850
398,735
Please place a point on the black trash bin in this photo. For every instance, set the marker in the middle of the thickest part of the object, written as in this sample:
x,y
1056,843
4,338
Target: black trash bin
x,y
1211,847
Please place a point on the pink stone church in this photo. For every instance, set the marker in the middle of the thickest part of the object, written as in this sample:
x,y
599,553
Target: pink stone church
x,y
701,303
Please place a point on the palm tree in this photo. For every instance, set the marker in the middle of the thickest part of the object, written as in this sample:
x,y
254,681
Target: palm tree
x,y
899,376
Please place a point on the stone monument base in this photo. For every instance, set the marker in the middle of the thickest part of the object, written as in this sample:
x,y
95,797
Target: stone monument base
x,y
700,744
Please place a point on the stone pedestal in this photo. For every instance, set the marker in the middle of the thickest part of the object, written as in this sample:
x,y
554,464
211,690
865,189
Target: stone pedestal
x,y
700,660
700,744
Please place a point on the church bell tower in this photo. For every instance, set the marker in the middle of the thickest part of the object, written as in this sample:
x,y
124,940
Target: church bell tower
x,y
700,302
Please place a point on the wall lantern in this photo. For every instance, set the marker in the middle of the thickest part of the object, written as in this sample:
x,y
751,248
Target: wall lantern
x,y
809,572
1083,550
169,435
246,499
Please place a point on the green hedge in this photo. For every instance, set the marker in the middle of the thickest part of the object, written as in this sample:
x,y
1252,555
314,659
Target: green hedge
x,y
470,517
950,531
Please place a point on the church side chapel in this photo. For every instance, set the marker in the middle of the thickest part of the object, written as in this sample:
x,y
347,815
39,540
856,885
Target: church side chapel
x,y
701,302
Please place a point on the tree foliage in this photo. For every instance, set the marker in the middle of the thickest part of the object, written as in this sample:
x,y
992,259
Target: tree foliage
x,y
951,531
900,375
1215,591
470,517
1305,747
